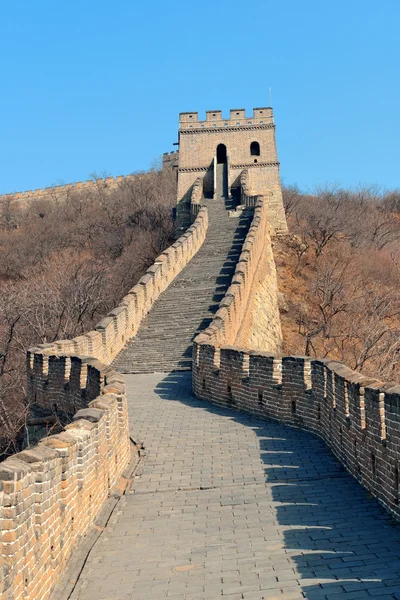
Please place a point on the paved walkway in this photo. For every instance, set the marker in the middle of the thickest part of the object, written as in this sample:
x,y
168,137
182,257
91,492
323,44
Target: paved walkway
x,y
232,506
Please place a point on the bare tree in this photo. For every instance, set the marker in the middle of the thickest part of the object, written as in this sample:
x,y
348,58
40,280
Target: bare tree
x,y
345,259
66,259
291,199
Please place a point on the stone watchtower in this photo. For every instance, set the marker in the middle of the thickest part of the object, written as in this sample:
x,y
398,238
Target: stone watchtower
x,y
243,144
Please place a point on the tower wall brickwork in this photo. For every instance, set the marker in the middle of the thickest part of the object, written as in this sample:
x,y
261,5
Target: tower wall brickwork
x,y
198,142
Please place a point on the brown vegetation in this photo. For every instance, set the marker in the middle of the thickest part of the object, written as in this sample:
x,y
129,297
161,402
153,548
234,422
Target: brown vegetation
x,y
65,261
339,271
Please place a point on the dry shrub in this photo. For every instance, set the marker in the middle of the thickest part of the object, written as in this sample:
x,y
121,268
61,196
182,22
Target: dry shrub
x,y
65,261
340,271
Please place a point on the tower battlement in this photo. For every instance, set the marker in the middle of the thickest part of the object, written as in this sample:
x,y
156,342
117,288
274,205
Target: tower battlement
x,y
237,118
240,143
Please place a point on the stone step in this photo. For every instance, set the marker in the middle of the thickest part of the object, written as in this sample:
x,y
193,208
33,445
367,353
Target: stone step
x,y
164,340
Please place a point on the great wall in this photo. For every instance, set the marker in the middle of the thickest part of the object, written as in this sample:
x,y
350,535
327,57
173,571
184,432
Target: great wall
x,y
212,500
62,190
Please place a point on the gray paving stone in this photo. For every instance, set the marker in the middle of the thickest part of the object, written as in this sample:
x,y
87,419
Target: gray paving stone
x,y
275,536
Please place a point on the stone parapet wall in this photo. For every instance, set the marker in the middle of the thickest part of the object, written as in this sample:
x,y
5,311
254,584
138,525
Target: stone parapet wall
x,y
170,160
62,190
51,493
247,197
50,365
261,322
237,117
196,197
357,417
254,288
272,195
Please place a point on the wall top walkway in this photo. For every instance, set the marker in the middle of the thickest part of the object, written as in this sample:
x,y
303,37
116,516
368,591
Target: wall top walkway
x,y
230,505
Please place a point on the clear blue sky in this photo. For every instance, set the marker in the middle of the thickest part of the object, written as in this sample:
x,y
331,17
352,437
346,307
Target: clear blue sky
x,y
96,85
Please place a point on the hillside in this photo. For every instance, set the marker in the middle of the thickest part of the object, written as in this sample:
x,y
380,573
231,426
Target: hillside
x,y
65,261
339,273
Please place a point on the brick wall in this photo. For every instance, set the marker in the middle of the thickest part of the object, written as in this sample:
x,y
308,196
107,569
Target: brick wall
x,y
170,160
266,182
248,315
60,191
198,141
196,197
51,493
357,417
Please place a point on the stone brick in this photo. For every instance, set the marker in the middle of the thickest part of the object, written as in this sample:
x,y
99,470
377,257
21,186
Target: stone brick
x,y
198,142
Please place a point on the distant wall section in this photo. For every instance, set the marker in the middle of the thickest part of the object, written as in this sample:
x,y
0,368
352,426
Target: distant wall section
x,y
63,190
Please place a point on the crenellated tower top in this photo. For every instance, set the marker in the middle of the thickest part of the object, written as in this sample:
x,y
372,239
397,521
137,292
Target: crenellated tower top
x,y
222,149
237,118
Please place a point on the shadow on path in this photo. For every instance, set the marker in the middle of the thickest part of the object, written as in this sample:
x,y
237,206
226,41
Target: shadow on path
x,y
338,539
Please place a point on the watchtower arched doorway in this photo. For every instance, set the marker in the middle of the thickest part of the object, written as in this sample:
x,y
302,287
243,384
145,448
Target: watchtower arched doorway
x,y
221,174
221,154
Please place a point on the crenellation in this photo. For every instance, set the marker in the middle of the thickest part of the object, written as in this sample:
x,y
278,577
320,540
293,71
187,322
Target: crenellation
x,y
324,397
188,117
213,115
263,112
237,117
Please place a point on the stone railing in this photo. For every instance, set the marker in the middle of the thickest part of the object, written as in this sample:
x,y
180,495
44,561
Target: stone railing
x,y
273,201
196,196
357,417
51,493
78,186
246,198
248,314
229,317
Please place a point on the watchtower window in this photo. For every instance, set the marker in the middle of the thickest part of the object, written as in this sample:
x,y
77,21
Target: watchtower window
x,y
255,149
221,153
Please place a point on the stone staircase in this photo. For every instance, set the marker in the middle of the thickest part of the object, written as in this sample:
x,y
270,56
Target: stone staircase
x,y
164,340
